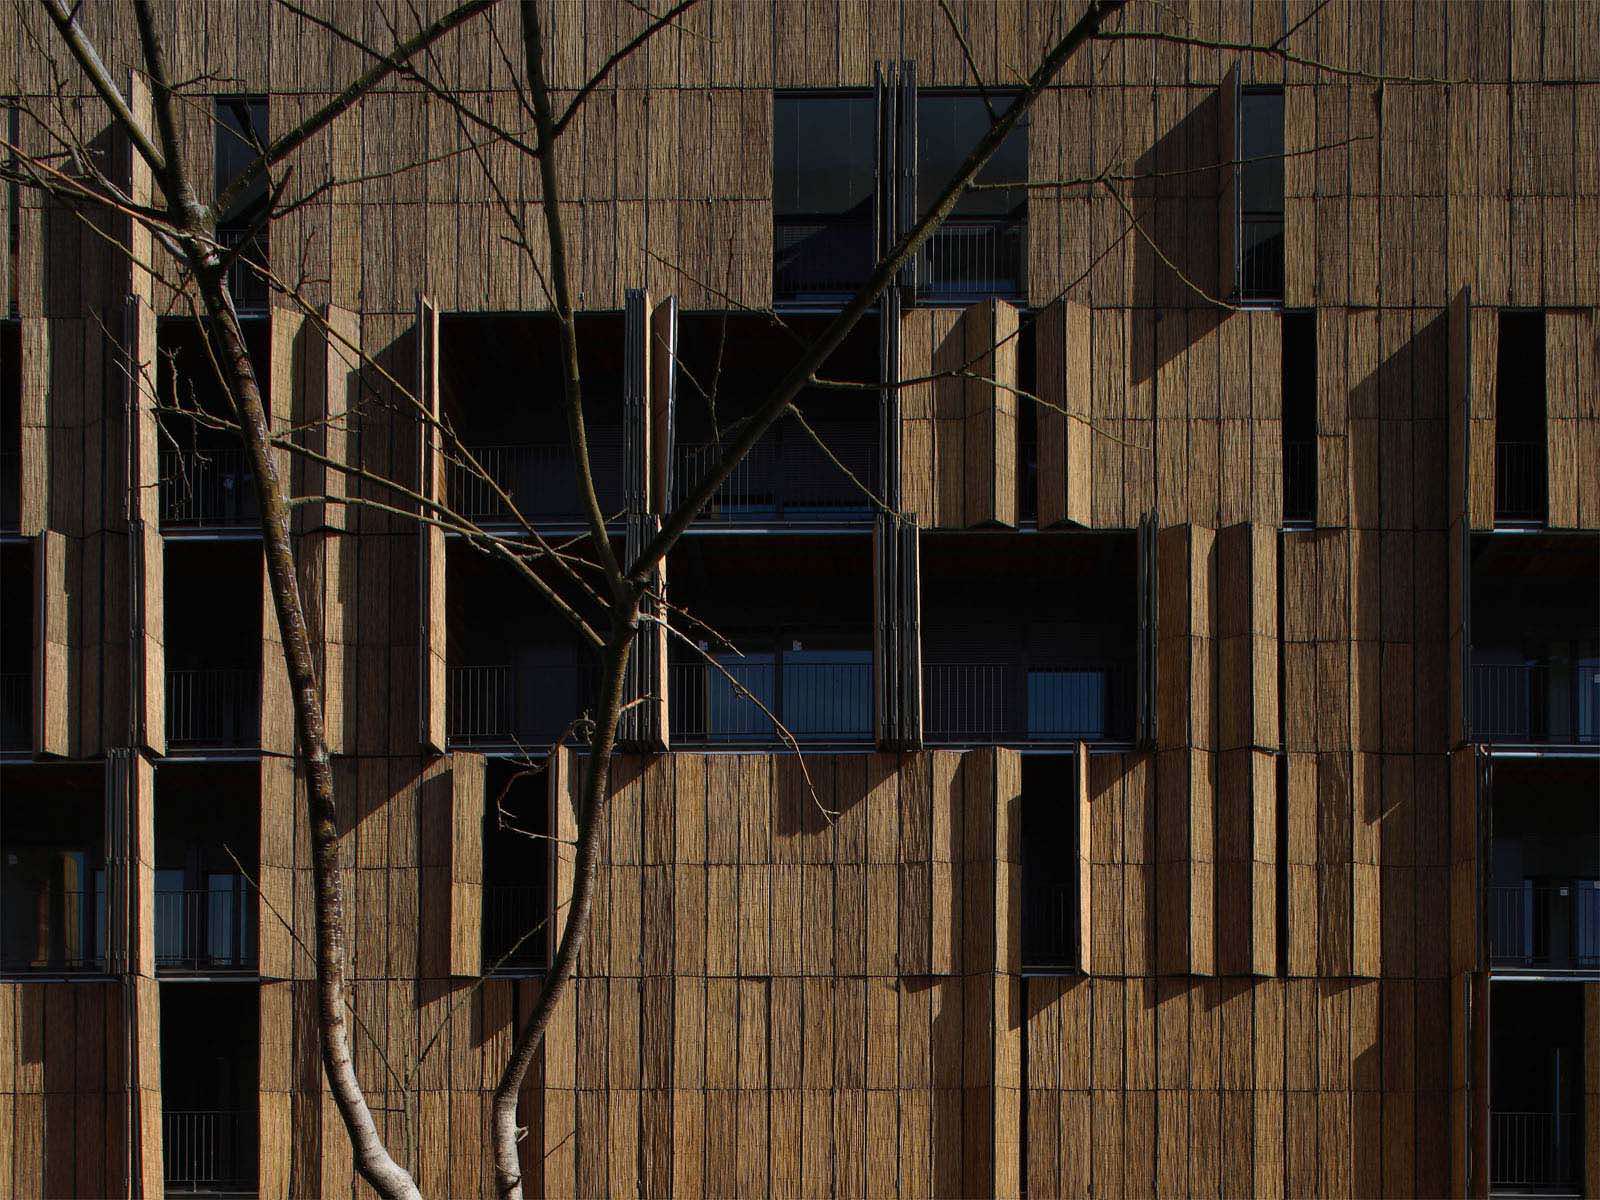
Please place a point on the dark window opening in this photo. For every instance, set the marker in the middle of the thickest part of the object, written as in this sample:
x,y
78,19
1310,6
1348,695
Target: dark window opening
x,y
980,249
206,479
213,594
210,1072
1535,663
516,870
768,651
241,136
1519,435
1299,370
1543,908
16,649
52,870
729,365
208,829
1050,855
517,673
1029,640
501,389
10,426
1536,1057
823,181
1259,147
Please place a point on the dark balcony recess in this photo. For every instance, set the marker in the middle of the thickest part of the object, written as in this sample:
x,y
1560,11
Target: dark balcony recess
x,y
817,698
214,708
541,479
1049,863
531,704
1056,702
210,1124
54,931
207,489
514,934
1536,1095
787,477
971,258
819,257
1519,483
16,712
206,930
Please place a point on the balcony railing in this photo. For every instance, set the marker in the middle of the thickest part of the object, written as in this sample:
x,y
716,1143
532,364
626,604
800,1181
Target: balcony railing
x,y
249,289
1519,481
817,700
985,702
209,1150
215,706
200,930
1534,1150
205,489
1300,482
786,477
820,256
540,477
1549,925
1536,702
1049,925
514,939
974,257
499,704
10,491
16,711
52,931
1261,257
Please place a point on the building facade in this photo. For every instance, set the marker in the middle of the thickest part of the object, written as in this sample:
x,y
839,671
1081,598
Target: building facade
x,y
1191,626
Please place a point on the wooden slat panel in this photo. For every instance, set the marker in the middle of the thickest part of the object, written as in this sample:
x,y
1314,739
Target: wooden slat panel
x,y
431,676
1062,414
52,650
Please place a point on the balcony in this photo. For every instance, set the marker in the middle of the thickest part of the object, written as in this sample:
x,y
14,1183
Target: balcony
x,y
207,489
1552,925
532,705
209,1151
787,477
819,697
1299,483
1519,483
515,940
972,258
1536,1093
10,491
820,256
214,708
1535,1152
1261,257
206,930
1532,703
16,712
53,931
966,702
540,477
249,290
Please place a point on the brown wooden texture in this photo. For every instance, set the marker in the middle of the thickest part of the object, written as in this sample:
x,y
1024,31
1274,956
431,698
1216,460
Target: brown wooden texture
x,y
1062,412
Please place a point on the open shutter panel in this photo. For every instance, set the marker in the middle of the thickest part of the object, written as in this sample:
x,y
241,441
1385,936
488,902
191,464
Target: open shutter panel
x,y
431,662
663,402
991,414
146,550
636,457
910,595
644,719
1085,890
1146,685
468,805
1564,330
884,168
905,198
1063,383
885,633
889,401
52,651
1228,185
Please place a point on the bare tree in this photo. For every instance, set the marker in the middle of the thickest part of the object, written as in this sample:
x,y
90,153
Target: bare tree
x,y
609,601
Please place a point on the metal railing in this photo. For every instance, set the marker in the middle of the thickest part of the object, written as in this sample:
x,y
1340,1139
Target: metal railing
x,y
785,477
202,930
513,939
1300,482
207,488
1049,925
1261,257
1545,924
972,257
818,700
819,255
214,706
10,491
248,288
16,711
979,702
1536,702
52,930
1519,481
540,477
500,703
209,1150
1534,1149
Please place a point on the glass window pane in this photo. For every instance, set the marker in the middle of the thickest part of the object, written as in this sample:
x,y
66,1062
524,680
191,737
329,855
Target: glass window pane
x,y
241,130
822,159
948,128
1261,138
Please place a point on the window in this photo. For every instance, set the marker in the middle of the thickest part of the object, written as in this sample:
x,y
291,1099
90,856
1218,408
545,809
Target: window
x,y
1259,179
823,168
241,134
1299,370
978,251
516,871
1519,436
1050,856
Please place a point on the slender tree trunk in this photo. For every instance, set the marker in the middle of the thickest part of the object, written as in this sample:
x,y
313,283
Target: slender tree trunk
x,y
372,1158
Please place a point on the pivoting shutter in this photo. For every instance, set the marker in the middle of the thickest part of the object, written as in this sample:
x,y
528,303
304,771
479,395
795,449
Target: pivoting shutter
x,y
1228,185
430,547
1147,629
